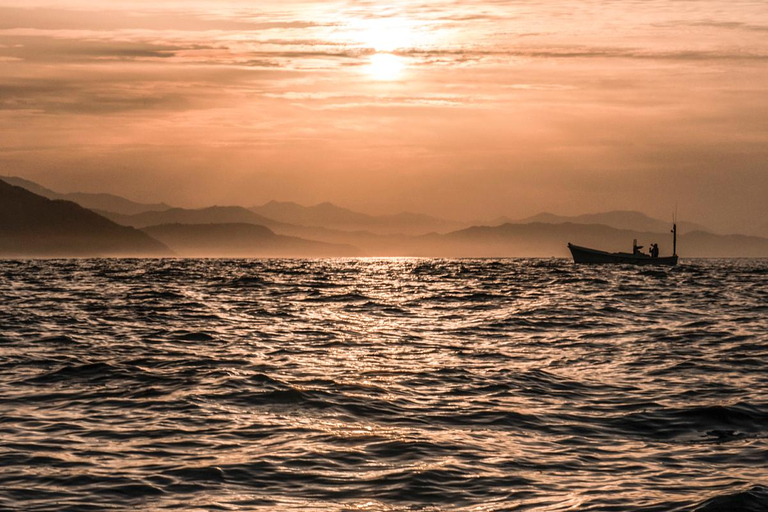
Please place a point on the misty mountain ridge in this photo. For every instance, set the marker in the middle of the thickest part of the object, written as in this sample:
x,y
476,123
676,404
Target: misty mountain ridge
x,y
540,240
342,232
216,215
286,214
92,201
242,241
210,215
34,226
329,215
289,219
546,240
273,214
619,219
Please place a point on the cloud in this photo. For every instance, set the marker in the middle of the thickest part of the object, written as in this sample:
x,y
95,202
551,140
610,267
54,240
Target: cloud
x,y
275,96
727,25
581,52
113,19
46,49
63,97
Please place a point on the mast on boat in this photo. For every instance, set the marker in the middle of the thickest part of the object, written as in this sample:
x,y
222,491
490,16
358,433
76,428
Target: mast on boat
x,y
674,239
674,233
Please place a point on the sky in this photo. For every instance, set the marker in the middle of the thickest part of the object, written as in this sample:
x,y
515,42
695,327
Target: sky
x,y
465,110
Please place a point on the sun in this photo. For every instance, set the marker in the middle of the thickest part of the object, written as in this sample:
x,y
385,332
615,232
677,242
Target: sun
x,y
385,66
386,40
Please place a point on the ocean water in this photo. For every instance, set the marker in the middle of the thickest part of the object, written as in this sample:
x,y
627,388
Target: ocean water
x,y
383,384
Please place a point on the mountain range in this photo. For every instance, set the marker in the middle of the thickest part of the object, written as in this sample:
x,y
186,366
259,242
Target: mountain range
x,y
34,226
279,229
544,240
242,241
328,215
109,202
210,215
620,219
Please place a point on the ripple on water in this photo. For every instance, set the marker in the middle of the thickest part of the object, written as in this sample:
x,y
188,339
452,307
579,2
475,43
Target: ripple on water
x,y
404,384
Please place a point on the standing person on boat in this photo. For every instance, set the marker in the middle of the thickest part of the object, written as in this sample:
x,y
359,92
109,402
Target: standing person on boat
x,y
654,250
636,249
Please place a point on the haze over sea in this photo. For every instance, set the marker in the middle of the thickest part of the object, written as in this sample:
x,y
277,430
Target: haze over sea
x,y
383,384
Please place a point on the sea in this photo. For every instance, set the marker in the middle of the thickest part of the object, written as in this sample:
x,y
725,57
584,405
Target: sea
x,y
383,384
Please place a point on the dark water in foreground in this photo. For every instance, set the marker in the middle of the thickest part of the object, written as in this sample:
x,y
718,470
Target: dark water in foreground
x,y
383,385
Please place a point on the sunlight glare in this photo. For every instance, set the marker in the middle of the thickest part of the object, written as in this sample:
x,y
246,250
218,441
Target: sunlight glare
x,y
385,66
385,35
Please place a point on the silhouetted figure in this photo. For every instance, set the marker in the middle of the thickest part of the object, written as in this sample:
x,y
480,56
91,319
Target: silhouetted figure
x,y
636,248
654,250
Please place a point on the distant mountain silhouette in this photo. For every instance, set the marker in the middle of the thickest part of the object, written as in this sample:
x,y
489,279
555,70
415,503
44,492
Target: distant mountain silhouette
x,y
533,240
543,240
328,215
631,220
241,241
34,226
297,230
106,202
31,186
709,245
210,215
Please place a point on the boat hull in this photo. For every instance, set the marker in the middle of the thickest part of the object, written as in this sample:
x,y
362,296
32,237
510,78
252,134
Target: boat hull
x,y
595,257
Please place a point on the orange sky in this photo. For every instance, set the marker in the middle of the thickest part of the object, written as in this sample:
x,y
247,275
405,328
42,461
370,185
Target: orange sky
x,y
468,110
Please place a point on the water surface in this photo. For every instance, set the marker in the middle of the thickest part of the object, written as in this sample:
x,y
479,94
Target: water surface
x,y
397,384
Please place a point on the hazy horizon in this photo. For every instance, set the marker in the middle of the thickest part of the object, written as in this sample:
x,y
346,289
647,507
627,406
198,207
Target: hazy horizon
x,y
459,222
501,108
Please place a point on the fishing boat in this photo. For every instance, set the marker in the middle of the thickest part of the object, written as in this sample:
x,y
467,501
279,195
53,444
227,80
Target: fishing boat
x,y
636,257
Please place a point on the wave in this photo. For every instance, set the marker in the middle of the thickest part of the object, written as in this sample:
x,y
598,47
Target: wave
x,y
754,499
376,384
